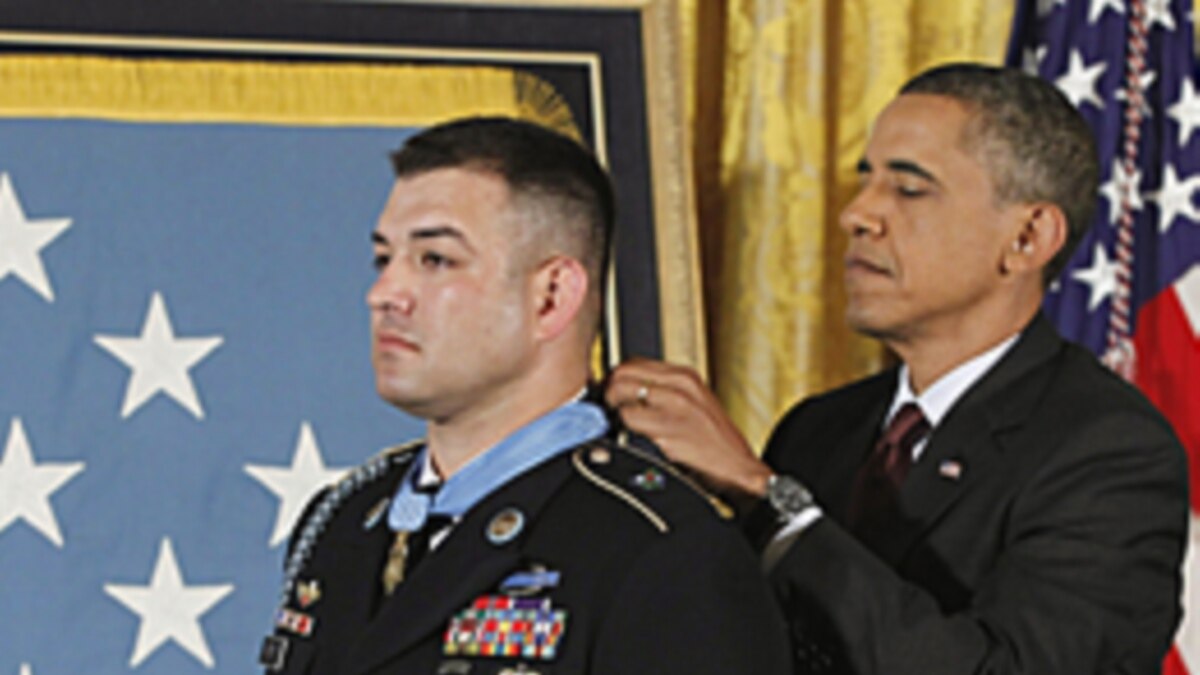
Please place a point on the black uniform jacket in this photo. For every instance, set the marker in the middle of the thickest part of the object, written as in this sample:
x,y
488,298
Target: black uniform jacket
x,y
1040,532
649,578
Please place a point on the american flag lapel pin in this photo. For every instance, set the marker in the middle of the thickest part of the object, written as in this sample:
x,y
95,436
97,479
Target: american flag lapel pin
x,y
950,469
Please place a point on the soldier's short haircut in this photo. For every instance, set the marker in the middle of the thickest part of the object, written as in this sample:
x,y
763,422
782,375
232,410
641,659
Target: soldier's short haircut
x,y
557,186
1033,142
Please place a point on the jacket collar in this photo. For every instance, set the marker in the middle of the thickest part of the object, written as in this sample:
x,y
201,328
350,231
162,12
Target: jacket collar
x,y
966,444
465,566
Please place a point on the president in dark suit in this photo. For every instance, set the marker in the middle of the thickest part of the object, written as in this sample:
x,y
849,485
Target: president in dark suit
x,y
519,537
999,503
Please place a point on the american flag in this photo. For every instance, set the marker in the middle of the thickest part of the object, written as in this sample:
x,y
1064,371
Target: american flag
x,y
183,360
1132,291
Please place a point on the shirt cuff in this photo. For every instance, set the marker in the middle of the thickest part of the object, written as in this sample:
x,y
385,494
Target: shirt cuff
x,y
787,535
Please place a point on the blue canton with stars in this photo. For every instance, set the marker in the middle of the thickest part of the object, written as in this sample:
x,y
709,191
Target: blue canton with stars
x,y
1080,46
184,358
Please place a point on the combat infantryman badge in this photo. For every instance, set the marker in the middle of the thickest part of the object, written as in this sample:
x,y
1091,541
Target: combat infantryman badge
x,y
531,582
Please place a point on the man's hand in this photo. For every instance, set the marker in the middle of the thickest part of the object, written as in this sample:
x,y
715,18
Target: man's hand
x,y
671,406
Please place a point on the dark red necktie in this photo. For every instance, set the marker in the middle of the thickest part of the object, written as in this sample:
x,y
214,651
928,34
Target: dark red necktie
x,y
878,482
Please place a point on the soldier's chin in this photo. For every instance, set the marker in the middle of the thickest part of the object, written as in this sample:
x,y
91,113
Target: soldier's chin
x,y
403,398
422,407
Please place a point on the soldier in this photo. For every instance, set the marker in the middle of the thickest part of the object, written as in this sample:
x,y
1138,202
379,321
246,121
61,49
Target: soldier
x,y
518,537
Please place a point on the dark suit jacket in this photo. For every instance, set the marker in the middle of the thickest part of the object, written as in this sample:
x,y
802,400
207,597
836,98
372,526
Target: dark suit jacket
x,y
652,580
1041,532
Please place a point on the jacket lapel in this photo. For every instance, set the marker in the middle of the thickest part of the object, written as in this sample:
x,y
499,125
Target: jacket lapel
x,y
967,443
465,566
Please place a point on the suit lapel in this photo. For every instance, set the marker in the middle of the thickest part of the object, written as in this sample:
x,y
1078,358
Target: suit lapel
x,y
465,566
966,445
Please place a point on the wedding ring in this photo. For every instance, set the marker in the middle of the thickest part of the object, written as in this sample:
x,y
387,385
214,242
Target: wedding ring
x,y
643,394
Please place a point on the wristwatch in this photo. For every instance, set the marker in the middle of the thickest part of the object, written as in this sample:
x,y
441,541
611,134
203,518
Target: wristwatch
x,y
786,499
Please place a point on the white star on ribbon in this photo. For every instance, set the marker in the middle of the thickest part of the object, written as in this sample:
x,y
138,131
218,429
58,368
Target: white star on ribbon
x,y
1079,82
21,241
1175,198
159,361
1159,11
1101,278
26,669
169,609
1097,7
1186,111
295,485
25,486
1112,191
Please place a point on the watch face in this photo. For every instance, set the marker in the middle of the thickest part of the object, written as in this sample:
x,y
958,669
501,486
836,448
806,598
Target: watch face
x,y
788,496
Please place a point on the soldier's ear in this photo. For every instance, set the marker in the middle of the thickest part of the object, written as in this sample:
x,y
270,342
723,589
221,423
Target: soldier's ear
x,y
1042,233
560,288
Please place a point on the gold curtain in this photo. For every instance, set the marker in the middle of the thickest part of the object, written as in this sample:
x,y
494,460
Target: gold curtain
x,y
782,93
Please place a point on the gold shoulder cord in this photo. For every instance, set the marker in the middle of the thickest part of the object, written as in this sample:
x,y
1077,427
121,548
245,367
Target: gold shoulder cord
x,y
723,510
615,490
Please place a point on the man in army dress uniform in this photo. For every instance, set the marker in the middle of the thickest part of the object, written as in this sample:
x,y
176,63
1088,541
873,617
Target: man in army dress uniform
x,y
517,537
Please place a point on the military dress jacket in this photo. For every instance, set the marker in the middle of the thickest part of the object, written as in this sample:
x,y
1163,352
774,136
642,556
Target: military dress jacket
x,y
598,561
1041,531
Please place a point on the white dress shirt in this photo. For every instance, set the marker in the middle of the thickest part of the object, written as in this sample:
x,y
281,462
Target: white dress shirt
x,y
935,403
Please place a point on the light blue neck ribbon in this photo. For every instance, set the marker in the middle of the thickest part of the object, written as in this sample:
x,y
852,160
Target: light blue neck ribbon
x,y
548,436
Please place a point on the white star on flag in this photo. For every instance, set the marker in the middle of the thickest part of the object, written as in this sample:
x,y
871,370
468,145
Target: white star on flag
x,y
26,669
25,487
1159,11
1174,198
1101,278
1097,7
169,609
1186,111
159,361
295,485
1079,82
22,240
1112,191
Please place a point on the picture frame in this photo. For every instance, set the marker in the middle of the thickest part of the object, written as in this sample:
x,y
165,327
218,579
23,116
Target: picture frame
x,y
615,62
